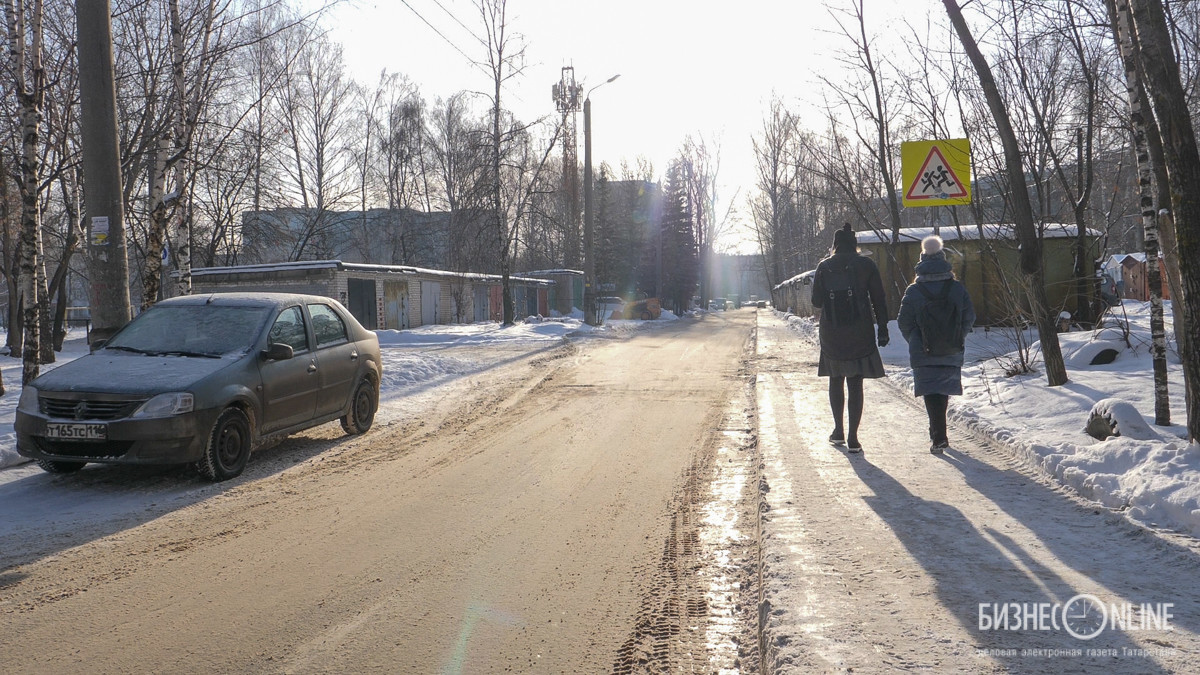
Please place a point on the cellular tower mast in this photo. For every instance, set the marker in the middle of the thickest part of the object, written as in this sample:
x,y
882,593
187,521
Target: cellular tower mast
x,y
567,97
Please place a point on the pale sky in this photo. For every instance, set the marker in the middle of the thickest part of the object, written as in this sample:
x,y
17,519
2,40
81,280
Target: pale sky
x,y
708,69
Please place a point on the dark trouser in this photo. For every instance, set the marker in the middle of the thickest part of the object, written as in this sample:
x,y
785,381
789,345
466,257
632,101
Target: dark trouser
x,y
935,407
837,402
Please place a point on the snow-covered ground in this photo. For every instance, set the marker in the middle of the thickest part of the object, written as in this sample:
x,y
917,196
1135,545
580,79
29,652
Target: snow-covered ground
x,y
1149,472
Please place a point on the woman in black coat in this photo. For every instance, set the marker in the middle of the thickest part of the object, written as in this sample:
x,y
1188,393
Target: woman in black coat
x,y
848,289
936,376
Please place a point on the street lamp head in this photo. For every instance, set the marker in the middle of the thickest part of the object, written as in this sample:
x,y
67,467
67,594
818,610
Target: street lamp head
x,y
589,93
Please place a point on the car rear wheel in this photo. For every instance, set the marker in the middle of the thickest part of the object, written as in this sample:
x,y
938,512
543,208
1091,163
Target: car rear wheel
x,y
228,447
53,466
362,409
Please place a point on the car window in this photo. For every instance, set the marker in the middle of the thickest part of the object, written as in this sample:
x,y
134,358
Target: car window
x,y
289,329
204,330
327,325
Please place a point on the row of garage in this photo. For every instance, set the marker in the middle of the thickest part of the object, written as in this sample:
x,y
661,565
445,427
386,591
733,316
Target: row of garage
x,y
399,297
985,258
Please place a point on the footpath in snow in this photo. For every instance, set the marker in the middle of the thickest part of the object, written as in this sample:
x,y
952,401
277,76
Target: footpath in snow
x,y
898,560
1149,473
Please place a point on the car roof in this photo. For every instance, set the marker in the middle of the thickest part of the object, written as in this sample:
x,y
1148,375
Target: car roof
x,y
247,299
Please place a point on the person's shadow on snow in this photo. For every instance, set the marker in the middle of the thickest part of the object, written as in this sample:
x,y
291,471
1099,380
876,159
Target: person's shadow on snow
x,y
971,568
1107,556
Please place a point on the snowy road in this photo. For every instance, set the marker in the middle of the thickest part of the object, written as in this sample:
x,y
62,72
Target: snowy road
x,y
595,505
583,510
896,560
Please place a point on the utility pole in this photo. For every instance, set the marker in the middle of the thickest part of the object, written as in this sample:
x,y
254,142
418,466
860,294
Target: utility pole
x,y
589,255
104,215
589,258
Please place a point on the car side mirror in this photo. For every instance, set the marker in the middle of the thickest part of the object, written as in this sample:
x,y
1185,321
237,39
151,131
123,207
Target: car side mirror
x,y
277,351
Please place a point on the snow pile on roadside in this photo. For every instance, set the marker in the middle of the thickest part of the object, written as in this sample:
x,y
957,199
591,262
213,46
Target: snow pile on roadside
x,y
1155,480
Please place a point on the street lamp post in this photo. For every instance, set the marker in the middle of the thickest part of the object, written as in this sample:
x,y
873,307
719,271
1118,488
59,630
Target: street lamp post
x,y
589,258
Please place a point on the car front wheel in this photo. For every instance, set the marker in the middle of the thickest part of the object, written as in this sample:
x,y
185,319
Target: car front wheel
x,y
228,447
362,409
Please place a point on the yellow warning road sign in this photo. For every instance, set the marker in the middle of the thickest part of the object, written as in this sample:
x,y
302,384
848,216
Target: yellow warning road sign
x,y
936,173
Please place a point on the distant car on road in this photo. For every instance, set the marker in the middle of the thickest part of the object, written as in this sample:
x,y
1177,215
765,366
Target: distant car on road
x,y
204,379
718,304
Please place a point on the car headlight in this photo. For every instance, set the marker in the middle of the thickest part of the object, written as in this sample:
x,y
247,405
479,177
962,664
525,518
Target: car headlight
x,y
165,405
29,400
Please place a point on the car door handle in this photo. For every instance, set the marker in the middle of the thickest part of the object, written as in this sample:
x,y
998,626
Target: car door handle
x,y
312,367
354,355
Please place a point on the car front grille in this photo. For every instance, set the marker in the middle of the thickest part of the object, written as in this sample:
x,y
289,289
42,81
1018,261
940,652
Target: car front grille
x,y
88,409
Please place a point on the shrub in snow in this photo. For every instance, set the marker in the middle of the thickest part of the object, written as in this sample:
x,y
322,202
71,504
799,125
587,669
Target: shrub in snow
x,y
1114,417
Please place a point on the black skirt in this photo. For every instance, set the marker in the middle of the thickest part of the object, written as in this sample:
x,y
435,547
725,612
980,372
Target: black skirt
x,y
869,366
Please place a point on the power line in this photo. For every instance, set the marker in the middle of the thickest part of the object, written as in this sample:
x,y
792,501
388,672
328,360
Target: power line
x,y
448,40
464,26
454,46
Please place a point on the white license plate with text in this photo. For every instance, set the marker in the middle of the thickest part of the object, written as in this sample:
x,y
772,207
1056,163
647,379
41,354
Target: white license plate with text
x,y
76,432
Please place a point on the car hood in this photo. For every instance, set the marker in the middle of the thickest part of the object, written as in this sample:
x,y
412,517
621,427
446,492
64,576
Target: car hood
x,y
116,373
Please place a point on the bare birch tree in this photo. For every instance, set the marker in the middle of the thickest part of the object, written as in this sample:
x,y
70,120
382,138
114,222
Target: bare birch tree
x,y
870,99
1122,28
509,204
1164,88
24,23
776,189
700,166
1022,210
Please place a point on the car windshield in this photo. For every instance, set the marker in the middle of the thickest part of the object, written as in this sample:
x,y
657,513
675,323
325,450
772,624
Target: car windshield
x,y
191,330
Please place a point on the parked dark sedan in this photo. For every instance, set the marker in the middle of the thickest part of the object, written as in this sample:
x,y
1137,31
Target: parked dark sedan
x,y
204,379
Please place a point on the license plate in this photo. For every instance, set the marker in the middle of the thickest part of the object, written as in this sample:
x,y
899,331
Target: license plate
x,y
77,432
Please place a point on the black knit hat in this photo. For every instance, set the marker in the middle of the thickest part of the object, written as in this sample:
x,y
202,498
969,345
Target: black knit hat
x,y
844,241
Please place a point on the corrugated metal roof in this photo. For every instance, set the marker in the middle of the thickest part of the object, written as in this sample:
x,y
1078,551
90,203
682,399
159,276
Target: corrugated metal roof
x,y
362,267
795,279
971,232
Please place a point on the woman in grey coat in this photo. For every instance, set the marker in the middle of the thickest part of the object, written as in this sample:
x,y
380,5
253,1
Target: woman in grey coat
x,y
936,377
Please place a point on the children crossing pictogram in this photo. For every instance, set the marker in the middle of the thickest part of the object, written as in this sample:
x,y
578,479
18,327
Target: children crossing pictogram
x,y
936,173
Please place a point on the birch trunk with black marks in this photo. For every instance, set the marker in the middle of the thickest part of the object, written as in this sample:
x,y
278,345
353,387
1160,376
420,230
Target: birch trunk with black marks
x,y
1018,197
8,233
30,87
184,126
1123,33
156,236
1181,156
69,182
